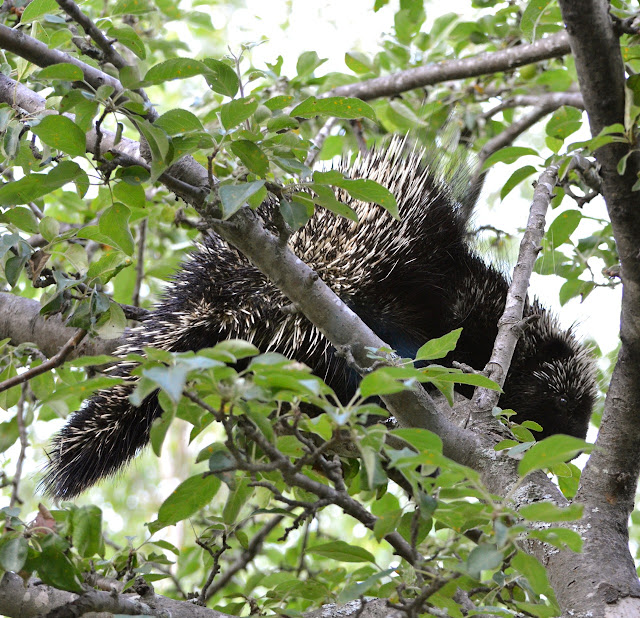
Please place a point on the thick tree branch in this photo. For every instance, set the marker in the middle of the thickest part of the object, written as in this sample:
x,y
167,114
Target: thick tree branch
x,y
20,321
552,46
21,44
607,571
35,599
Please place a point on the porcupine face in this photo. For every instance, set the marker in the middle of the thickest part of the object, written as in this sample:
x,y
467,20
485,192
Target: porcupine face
x,y
552,379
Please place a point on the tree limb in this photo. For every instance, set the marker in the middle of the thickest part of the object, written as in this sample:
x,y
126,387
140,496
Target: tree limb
x,y
483,64
609,479
20,321
55,361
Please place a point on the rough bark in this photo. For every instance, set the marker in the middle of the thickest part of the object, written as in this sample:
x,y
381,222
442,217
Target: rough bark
x,y
20,321
482,64
602,581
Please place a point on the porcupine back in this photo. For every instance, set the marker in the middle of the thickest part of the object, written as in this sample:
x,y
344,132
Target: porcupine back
x,y
409,280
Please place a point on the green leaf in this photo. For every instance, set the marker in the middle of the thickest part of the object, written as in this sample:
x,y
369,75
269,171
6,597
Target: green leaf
x,y
237,499
170,379
37,8
535,573
13,554
356,591
547,511
569,484
515,179
61,133
112,323
343,552
421,439
562,538
9,432
295,213
187,499
358,62
252,156
233,197
531,16
114,224
49,228
64,70
175,68
128,37
221,77
483,558
573,288
130,7
563,226
564,121
308,62
440,347
327,198
22,218
156,138
509,154
134,175
279,102
237,111
387,510
87,531
381,382
436,374
55,569
337,107
550,451
34,186
131,195
367,190
178,122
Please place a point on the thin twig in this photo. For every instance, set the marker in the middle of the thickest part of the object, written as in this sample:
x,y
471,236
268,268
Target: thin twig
x,y
246,557
24,443
52,363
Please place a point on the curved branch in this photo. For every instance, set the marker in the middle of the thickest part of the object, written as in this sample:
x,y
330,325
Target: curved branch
x,y
552,46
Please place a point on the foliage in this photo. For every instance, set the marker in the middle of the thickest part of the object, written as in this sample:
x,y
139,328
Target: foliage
x,y
86,234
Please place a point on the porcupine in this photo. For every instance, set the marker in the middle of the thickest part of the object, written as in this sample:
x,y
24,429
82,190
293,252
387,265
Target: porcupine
x,y
409,280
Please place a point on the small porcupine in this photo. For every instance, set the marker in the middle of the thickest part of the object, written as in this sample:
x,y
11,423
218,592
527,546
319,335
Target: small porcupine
x,y
409,280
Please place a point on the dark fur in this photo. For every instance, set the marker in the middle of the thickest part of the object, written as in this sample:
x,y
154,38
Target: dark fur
x,y
409,281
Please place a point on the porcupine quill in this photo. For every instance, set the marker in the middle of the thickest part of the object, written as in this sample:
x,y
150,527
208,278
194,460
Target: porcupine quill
x,y
409,280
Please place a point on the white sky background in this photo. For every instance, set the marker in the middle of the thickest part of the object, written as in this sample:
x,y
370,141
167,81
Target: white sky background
x,y
333,27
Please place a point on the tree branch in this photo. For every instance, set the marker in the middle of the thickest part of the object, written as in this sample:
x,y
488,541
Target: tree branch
x,y
110,54
55,361
510,324
34,599
609,479
20,321
483,64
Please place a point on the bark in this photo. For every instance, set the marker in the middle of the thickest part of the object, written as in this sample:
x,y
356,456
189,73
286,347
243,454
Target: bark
x,y
20,321
483,64
602,580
